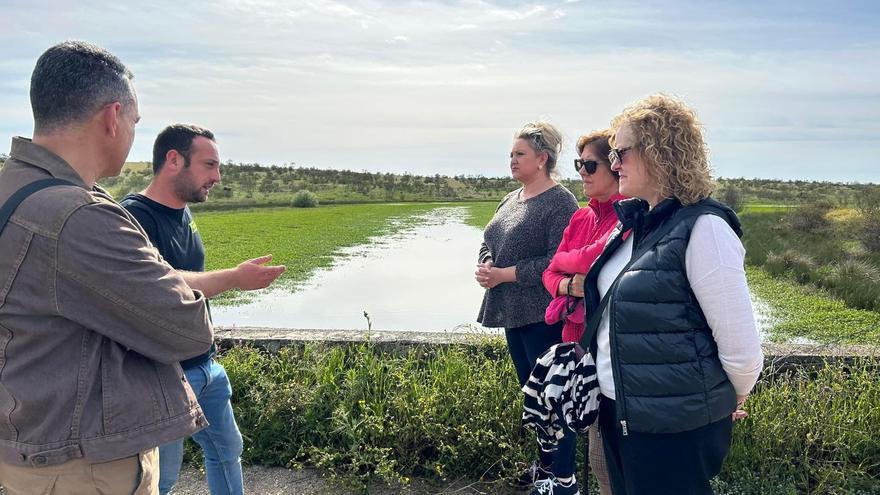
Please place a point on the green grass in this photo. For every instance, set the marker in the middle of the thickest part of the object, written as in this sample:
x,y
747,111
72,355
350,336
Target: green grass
x,y
814,247
481,213
303,239
808,312
767,230
362,415
760,208
809,432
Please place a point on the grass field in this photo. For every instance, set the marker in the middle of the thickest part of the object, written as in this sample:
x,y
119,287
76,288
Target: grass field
x,y
810,313
481,213
303,239
306,239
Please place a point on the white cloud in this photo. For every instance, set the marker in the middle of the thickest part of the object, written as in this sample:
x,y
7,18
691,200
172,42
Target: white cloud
x,y
440,86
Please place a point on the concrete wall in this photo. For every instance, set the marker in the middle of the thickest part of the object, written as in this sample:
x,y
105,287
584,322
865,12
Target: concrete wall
x,y
778,357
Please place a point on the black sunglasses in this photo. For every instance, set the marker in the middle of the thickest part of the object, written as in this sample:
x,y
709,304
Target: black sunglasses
x,y
589,165
616,154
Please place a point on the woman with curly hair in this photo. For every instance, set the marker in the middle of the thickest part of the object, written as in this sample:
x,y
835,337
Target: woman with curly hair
x,y
676,345
518,244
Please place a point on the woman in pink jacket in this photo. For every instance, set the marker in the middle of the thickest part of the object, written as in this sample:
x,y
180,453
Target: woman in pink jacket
x,y
582,241
586,233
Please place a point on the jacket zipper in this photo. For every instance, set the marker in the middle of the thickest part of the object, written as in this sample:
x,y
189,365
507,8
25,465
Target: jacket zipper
x,y
612,334
615,365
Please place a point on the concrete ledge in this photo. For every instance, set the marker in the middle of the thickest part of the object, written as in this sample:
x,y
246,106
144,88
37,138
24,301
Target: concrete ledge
x,y
781,358
778,356
273,339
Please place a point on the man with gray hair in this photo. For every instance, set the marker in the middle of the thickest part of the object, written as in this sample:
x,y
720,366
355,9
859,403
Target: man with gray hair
x,y
93,322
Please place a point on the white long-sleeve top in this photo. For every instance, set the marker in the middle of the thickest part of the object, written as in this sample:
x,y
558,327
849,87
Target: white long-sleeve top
x,y
714,262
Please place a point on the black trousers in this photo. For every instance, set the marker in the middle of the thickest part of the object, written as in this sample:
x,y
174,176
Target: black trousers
x,y
526,344
662,463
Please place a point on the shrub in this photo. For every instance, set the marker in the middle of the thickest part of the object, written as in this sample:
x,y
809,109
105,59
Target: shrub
x,y
732,198
817,429
857,283
870,232
810,218
362,414
799,267
868,203
305,199
224,192
854,281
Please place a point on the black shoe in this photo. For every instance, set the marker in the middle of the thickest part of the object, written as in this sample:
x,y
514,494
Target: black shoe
x,y
530,476
552,486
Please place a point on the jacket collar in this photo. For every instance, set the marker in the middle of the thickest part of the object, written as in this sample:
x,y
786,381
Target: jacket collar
x,y
636,213
605,207
26,151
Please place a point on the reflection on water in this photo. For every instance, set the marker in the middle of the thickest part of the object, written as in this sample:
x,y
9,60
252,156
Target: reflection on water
x,y
420,279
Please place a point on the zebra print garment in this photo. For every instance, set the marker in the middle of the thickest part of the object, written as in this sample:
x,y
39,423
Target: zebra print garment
x,y
562,392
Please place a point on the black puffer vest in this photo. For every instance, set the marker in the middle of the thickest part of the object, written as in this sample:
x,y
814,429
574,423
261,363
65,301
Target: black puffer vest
x,y
667,374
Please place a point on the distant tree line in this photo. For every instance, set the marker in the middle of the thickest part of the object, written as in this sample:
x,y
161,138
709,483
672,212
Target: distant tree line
x,y
251,183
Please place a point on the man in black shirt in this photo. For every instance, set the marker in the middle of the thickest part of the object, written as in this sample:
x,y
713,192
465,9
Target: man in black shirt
x,y
186,165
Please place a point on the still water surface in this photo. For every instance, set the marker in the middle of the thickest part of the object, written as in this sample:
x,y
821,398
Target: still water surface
x,y
420,279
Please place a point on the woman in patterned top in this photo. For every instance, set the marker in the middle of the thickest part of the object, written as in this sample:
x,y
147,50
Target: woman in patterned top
x,y
518,244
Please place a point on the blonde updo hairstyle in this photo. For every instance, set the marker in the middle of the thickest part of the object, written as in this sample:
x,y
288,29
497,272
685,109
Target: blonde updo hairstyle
x,y
543,137
669,139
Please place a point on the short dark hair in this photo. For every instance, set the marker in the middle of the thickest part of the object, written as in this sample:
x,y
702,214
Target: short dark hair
x,y
599,141
73,80
178,137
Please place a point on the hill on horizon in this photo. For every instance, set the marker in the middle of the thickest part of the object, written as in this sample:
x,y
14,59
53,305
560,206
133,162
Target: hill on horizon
x,y
254,184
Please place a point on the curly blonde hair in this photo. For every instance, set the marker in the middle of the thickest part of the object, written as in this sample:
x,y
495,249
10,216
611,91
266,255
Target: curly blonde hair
x,y
670,140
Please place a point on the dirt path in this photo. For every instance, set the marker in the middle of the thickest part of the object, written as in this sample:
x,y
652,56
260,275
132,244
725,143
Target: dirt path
x,y
279,481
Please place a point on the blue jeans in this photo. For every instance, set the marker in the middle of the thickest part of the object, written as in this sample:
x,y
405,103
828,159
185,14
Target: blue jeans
x,y
220,441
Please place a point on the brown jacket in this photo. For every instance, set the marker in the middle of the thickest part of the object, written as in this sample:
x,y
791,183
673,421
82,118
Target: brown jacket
x,y
92,325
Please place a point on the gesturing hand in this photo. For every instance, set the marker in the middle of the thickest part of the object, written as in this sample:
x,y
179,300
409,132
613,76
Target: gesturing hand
x,y
255,274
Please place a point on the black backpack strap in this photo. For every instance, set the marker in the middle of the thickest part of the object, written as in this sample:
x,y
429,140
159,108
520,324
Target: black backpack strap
x,y
12,203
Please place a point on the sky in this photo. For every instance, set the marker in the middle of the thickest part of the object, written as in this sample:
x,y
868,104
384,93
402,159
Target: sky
x,y
785,90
